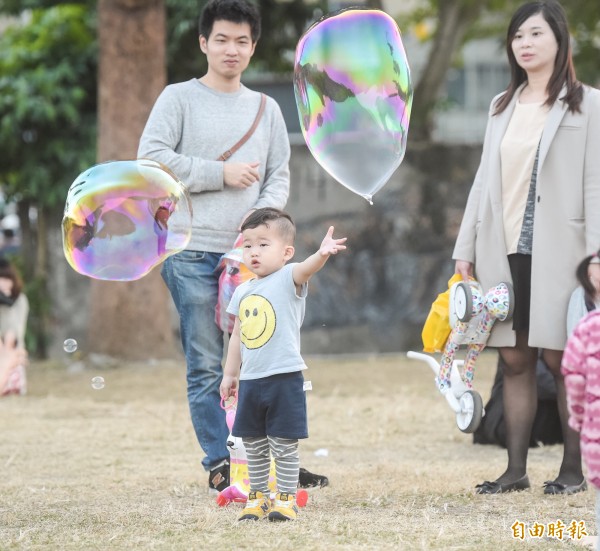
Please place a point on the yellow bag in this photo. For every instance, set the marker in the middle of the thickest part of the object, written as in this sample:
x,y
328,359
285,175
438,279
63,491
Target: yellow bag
x,y
437,325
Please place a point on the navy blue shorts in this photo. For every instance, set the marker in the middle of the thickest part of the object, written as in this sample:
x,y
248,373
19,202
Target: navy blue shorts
x,y
272,406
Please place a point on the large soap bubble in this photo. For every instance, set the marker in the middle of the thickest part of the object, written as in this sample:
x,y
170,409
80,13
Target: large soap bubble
x,y
354,95
122,218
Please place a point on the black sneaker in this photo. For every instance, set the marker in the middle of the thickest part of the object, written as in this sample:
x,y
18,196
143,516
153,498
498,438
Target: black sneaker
x,y
306,479
218,479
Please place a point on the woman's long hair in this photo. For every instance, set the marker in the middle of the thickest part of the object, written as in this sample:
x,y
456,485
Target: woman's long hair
x,y
564,71
8,271
584,280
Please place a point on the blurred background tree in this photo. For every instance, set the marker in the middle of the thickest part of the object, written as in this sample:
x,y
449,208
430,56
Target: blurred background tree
x,y
47,132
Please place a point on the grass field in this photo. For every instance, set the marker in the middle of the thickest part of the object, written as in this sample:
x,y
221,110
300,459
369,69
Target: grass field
x,y
119,467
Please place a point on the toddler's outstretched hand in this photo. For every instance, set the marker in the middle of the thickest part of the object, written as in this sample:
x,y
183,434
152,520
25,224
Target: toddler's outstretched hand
x,y
303,271
330,245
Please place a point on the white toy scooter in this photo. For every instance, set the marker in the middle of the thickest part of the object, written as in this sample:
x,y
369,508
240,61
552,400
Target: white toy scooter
x,y
472,316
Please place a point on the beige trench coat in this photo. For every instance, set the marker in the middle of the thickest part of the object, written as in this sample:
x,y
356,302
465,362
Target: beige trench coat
x,y
566,220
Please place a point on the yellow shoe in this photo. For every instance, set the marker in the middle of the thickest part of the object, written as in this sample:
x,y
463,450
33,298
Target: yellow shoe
x,y
284,507
257,506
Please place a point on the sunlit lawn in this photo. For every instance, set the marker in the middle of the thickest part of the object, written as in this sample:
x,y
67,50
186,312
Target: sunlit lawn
x,y
119,467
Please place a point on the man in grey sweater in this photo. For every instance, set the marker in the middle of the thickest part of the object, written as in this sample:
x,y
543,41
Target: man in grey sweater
x,y
191,125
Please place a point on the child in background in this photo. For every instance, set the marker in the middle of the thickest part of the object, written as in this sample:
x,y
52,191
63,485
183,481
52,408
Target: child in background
x,y
14,311
269,310
11,358
581,370
586,297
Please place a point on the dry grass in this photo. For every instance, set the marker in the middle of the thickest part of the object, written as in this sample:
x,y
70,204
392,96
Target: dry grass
x,y
119,468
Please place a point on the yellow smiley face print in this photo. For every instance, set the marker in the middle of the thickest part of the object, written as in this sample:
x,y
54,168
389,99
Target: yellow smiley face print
x,y
257,321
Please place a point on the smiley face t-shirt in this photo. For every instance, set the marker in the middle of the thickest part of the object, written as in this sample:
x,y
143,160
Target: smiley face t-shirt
x,y
271,313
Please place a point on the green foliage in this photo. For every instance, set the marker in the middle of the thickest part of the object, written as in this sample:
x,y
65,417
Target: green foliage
x,y
283,24
584,18
15,7
185,60
47,128
47,102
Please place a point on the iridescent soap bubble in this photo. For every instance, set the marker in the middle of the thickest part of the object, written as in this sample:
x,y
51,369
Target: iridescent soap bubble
x,y
354,95
70,345
98,383
122,218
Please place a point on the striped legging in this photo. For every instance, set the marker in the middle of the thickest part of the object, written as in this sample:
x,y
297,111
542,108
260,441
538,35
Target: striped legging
x,y
287,462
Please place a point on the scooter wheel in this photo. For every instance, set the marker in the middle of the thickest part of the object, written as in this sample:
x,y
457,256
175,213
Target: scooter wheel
x,y
463,301
471,411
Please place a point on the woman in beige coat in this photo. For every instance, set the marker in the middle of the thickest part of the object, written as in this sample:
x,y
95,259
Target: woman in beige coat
x,y
533,213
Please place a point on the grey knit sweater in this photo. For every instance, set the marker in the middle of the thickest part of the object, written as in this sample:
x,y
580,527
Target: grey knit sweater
x,y
189,127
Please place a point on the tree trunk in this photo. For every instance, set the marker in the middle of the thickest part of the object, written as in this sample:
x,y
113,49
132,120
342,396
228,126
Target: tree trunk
x,y
454,19
129,320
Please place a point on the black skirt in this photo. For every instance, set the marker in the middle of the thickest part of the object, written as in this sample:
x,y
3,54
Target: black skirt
x,y
520,270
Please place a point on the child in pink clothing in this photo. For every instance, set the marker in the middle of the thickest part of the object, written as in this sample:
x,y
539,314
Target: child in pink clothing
x,y
581,370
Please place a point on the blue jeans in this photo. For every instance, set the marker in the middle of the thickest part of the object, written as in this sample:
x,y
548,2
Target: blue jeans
x,y
193,284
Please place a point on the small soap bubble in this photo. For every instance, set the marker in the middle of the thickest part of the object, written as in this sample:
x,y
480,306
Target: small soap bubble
x,y
98,383
70,345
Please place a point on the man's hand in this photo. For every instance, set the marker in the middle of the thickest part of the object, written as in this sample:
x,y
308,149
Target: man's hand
x,y
240,175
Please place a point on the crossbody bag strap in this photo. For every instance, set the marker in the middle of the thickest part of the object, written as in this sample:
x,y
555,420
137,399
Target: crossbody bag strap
x,y
244,139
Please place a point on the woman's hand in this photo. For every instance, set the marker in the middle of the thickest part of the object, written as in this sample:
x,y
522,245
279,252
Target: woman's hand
x,y
464,268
